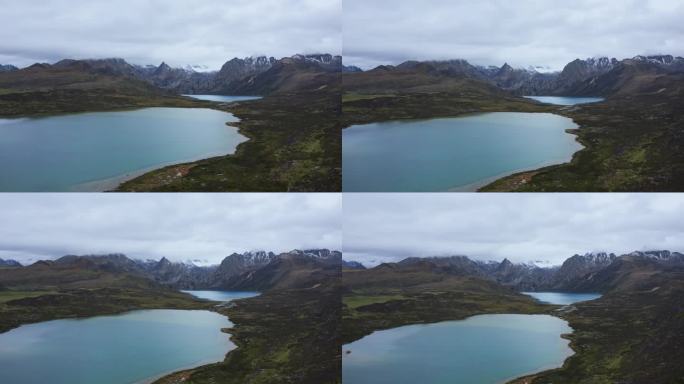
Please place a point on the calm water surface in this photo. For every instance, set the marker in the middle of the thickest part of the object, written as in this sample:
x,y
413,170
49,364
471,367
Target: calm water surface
x,y
481,349
562,100
223,98
97,151
461,153
563,298
222,295
135,347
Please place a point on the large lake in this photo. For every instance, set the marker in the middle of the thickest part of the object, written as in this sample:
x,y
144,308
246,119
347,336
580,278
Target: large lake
x,y
481,349
564,100
97,151
562,298
223,98
222,295
135,347
461,153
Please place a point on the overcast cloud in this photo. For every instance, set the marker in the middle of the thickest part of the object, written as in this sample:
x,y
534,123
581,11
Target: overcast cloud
x,y
180,32
520,227
181,227
521,32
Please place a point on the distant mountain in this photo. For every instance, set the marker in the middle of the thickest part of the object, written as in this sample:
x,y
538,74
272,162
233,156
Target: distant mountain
x,y
583,273
9,263
299,73
600,76
8,68
249,76
352,265
247,271
351,68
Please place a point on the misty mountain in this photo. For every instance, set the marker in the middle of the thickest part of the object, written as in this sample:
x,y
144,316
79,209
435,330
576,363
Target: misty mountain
x,y
8,68
246,271
599,76
249,76
9,263
579,273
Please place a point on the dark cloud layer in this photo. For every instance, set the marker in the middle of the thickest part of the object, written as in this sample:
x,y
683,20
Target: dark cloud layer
x,y
197,32
180,227
522,32
521,227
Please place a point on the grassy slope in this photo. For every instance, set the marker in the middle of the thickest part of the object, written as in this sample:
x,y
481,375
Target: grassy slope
x,y
24,307
380,96
379,299
42,293
294,145
628,336
632,144
288,336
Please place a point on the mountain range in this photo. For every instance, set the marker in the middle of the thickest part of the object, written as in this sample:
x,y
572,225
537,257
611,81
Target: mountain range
x,y
591,272
248,76
601,76
245,271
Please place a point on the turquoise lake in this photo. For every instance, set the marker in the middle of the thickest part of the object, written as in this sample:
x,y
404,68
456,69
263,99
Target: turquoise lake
x,y
460,154
563,100
562,298
98,151
223,98
481,349
222,295
135,347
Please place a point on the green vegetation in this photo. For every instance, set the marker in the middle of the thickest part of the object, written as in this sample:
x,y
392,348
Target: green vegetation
x,y
294,146
627,336
631,144
24,307
283,336
379,299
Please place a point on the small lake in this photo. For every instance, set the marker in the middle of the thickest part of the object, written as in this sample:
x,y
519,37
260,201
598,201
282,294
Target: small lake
x,y
481,349
460,154
98,151
562,298
563,100
135,347
223,98
222,295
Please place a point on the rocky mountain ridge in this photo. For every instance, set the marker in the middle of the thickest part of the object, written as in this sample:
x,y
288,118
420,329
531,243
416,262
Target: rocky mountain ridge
x,y
587,272
597,76
258,270
239,76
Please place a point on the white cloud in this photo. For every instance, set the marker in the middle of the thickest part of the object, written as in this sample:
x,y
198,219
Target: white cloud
x,y
178,226
198,32
522,33
521,227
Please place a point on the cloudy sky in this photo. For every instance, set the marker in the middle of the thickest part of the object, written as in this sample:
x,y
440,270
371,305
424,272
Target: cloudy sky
x,y
181,227
180,32
521,227
522,32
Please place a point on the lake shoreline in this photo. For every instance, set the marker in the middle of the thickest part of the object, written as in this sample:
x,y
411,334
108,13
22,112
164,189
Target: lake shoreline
x,y
565,336
483,182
